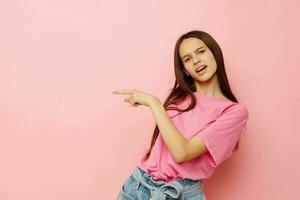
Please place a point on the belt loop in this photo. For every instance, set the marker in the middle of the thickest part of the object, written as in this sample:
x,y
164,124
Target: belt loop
x,y
138,184
201,183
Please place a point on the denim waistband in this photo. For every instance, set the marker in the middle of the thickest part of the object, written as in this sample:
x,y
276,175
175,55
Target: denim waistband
x,y
160,189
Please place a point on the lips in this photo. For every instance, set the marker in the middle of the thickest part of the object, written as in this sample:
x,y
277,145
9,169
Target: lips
x,y
200,68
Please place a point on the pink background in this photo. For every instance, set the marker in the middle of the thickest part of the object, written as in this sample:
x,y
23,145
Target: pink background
x,y
64,135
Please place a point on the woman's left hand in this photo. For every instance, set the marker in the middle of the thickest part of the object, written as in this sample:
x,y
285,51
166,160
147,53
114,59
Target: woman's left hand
x,y
137,97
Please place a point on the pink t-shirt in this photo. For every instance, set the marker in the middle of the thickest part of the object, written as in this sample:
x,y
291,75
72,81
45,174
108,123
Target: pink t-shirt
x,y
218,121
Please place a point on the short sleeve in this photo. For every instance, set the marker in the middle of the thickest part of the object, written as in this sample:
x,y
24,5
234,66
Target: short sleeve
x,y
221,136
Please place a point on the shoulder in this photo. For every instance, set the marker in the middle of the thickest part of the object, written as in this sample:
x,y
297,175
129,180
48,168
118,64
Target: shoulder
x,y
235,109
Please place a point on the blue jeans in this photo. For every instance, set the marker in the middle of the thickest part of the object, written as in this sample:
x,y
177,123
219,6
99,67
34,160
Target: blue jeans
x,y
141,186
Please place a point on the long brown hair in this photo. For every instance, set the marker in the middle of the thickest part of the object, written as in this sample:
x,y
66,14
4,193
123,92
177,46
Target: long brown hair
x,y
184,85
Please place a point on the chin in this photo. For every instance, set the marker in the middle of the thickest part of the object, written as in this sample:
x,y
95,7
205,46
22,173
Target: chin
x,y
205,77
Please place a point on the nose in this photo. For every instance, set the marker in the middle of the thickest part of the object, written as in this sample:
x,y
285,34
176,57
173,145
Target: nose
x,y
196,60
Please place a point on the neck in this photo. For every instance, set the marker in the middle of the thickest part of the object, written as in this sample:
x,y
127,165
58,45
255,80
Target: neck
x,y
209,87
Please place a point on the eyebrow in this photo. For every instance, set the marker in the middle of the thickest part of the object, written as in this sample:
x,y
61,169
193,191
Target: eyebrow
x,y
194,51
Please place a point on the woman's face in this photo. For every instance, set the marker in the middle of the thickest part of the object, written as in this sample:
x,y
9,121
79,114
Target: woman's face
x,y
194,53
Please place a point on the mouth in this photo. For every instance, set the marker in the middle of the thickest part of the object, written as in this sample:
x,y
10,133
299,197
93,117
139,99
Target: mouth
x,y
201,68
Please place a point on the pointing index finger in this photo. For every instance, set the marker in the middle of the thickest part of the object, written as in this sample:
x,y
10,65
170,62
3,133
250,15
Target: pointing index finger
x,y
122,91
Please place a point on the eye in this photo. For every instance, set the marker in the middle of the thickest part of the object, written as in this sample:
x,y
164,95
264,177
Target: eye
x,y
201,51
186,59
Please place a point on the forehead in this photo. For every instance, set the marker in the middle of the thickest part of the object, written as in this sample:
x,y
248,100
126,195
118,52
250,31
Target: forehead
x,y
189,45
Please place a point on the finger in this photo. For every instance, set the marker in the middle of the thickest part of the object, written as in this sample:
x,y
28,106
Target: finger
x,y
128,91
131,101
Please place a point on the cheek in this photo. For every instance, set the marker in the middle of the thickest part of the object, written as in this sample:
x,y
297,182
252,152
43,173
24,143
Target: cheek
x,y
189,67
210,57
213,68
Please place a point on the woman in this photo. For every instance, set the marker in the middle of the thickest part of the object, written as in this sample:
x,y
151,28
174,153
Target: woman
x,y
199,123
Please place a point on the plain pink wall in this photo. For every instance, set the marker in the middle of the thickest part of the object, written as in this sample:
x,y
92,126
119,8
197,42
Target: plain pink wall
x,y
64,135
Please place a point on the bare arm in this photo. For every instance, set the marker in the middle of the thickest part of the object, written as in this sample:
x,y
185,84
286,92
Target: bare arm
x,y
181,148
195,148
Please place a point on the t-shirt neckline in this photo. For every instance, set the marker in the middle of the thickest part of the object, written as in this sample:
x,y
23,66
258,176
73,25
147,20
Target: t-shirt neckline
x,y
209,96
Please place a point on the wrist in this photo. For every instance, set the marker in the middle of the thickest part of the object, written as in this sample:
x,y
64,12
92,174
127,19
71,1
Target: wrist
x,y
155,102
